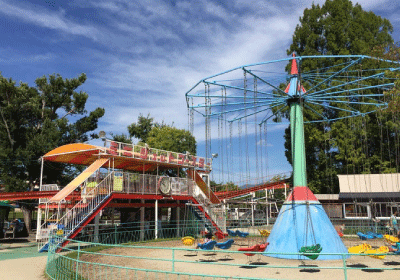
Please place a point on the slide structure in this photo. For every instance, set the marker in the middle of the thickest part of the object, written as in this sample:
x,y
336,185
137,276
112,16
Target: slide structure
x,y
194,175
62,194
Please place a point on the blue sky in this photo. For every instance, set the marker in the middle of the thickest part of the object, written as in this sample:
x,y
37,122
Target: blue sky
x,y
142,56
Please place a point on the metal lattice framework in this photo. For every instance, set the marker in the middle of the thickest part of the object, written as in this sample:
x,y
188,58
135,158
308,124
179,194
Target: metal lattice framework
x,y
318,89
353,86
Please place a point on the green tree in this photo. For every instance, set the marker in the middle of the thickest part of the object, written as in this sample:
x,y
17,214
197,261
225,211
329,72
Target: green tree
x,y
391,52
339,28
142,128
348,146
162,136
123,138
229,186
172,139
35,120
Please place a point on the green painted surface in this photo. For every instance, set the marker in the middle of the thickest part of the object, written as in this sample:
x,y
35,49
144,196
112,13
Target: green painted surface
x,y
297,135
8,253
5,203
299,159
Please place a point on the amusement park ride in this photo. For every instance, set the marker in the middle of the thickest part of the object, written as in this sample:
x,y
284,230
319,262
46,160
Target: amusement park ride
x,y
122,175
318,89
125,175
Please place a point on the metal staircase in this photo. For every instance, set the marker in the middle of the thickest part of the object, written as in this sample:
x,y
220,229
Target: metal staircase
x,y
72,222
200,214
195,176
204,210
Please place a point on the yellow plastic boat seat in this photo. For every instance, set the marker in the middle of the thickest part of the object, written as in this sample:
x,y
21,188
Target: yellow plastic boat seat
x,y
391,238
264,232
188,240
382,249
359,248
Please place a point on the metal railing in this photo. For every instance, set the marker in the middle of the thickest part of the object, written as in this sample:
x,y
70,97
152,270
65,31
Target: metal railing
x,y
149,184
89,202
48,187
88,260
93,194
74,217
156,155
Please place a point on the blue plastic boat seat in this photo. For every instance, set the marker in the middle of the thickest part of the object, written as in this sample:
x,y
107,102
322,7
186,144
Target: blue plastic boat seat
x,y
365,236
375,235
225,245
208,245
241,233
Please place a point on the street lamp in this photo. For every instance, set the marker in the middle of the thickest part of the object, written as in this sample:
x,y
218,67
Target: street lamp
x,y
213,156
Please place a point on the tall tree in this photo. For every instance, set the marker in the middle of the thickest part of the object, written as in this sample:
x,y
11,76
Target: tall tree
x,y
172,139
142,127
35,120
162,136
338,28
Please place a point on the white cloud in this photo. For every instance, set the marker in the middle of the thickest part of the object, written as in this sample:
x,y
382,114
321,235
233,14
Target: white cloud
x,y
8,56
143,56
166,78
47,19
373,4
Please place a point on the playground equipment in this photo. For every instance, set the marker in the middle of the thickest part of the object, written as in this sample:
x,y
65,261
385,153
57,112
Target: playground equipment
x,y
120,171
332,88
225,245
391,238
264,232
188,240
369,235
311,252
363,236
254,248
360,248
241,233
207,246
375,252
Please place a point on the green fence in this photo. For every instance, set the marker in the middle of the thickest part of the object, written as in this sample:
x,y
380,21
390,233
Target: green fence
x,y
120,255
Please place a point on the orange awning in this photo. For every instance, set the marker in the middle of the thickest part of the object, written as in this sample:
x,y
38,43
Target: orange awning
x,y
86,154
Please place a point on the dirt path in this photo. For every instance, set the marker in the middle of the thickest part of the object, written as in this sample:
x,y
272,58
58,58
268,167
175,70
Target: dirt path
x,y
25,263
23,268
19,259
215,263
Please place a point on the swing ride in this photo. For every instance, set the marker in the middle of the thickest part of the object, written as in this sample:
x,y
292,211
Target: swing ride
x,y
323,89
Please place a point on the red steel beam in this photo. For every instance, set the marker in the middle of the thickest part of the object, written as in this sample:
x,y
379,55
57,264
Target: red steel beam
x,y
124,196
88,220
274,185
35,195
147,205
205,214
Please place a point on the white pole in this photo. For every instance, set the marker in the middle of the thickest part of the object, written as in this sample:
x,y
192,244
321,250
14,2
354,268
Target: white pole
x,y
285,190
156,218
252,210
39,213
266,206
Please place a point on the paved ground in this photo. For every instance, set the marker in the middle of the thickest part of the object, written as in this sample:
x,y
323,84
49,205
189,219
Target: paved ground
x,y
19,259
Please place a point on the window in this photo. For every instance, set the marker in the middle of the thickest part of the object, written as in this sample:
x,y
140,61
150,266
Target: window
x,y
356,210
